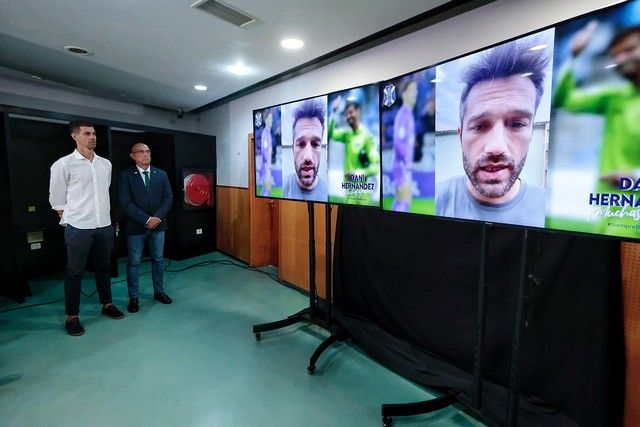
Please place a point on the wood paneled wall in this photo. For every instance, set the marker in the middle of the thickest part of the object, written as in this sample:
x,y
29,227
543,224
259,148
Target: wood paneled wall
x,y
259,231
232,225
236,235
259,217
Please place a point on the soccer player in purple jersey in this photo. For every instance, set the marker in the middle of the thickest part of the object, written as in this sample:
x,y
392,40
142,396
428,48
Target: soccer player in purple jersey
x,y
404,138
265,152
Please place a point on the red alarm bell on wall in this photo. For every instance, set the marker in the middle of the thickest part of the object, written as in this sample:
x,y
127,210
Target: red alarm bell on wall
x,y
198,190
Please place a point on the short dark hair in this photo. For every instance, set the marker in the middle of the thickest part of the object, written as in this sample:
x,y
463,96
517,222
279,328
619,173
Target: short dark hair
x,y
308,110
623,34
75,125
352,103
504,61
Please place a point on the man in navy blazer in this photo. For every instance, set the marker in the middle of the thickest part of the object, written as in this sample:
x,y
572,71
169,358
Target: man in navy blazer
x,y
145,196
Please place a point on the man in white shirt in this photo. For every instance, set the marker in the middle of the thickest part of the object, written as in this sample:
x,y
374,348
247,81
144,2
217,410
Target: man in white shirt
x,y
79,192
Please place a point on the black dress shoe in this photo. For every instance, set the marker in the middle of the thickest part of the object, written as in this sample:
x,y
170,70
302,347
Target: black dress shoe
x,y
162,297
74,327
113,312
133,305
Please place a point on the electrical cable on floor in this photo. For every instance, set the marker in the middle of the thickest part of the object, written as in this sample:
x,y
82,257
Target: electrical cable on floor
x,y
146,273
223,262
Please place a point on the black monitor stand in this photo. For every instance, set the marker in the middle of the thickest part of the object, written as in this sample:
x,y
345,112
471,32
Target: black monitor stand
x,y
318,312
474,406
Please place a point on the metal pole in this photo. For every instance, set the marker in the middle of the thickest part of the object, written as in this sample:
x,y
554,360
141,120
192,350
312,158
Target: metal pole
x,y
312,262
481,322
328,267
514,380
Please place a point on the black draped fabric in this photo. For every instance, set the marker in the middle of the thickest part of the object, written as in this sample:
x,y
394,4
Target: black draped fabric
x,y
406,288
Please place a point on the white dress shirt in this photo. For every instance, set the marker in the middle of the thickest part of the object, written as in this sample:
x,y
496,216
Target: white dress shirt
x,y
80,188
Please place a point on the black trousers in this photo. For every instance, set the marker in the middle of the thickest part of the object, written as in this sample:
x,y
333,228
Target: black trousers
x,y
80,243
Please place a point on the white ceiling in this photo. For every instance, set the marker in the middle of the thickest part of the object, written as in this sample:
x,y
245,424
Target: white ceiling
x,y
154,51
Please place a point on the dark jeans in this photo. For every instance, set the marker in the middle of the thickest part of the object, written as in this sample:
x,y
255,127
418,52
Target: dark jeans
x,y
136,243
80,243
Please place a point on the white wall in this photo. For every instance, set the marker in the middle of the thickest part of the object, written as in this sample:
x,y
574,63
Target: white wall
x,y
498,21
19,93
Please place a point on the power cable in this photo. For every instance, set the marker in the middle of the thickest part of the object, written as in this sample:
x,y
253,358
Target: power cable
x,y
146,273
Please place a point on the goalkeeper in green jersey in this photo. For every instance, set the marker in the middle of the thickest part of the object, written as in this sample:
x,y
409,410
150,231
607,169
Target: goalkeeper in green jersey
x,y
361,159
619,105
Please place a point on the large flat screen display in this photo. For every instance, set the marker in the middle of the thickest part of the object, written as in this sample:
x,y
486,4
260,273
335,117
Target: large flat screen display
x,y
541,131
324,149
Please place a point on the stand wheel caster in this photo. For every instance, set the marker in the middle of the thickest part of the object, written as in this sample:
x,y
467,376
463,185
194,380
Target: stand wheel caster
x,y
311,369
387,422
258,336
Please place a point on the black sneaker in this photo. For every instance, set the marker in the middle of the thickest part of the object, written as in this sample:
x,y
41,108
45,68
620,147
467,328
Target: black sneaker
x,y
74,327
112,312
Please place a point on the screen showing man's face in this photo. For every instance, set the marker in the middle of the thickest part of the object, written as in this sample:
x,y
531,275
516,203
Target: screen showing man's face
x,y
495,134
307,147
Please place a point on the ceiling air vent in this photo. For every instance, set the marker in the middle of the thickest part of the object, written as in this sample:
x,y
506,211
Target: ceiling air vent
x,y
226,12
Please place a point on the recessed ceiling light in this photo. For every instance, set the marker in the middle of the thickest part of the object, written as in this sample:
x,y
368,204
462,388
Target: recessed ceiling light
x,y
77,50
538,47
292,43
200,87
239,69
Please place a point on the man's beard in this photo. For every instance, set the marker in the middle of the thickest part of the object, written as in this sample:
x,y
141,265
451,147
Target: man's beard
x,y
300,172
496,188
629,70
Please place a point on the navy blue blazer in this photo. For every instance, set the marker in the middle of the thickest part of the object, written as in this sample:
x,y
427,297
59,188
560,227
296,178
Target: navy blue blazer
x,y
139,204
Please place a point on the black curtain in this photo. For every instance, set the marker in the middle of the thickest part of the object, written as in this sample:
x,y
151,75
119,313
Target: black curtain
x,y
406,288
